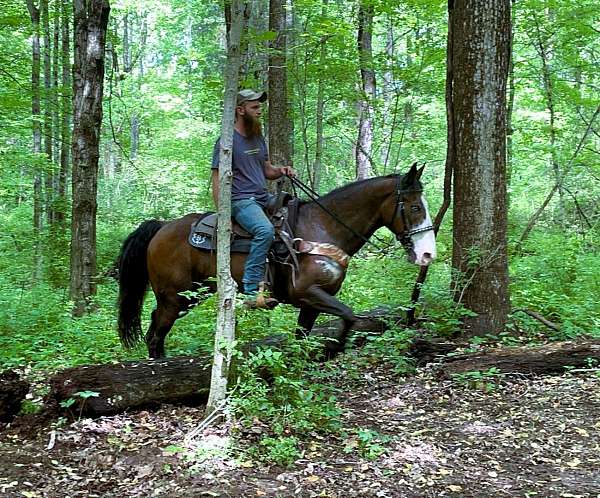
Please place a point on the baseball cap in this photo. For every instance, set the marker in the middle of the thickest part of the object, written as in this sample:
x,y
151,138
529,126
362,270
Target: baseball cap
x,y
249,95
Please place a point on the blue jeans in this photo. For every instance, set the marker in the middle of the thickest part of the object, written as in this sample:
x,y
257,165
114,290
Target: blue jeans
x,y
250,215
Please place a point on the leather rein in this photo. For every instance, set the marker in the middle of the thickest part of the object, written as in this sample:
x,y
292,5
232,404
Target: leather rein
x,y
404,237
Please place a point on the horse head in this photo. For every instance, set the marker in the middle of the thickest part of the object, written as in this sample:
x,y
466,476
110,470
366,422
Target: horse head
x,y
406,214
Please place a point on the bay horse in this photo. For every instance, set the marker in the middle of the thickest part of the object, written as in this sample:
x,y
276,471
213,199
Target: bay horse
x,y
335,226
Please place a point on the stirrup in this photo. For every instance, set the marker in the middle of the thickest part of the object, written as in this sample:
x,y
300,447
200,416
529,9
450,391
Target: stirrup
x,y
260,301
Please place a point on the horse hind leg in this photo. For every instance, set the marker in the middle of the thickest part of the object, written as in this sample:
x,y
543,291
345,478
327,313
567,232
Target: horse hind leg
x,y
163,318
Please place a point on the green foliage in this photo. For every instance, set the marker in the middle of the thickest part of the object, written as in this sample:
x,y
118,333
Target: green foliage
x,y
368,443
486,381
559,277
276,396
281,450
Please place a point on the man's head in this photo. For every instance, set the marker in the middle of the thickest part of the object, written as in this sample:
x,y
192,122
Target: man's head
x,y
249,110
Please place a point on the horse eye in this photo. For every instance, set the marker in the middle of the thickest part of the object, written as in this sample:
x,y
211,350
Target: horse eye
x,y
415,209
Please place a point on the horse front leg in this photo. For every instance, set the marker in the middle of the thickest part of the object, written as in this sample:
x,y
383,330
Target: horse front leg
x,y
321,302
306,320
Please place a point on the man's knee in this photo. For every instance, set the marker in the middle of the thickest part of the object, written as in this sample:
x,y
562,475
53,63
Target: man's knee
x,y
265,232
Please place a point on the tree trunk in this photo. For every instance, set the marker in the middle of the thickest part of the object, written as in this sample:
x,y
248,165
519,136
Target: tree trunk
x,y
448,171
551,358
186,380
226,287
91,20
34,12
364,146
480,56
279,119
47,49
318,162
66,109
544,51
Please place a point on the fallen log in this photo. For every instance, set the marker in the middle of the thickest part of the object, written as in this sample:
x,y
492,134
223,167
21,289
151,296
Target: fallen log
x,y
551,358
12,393
108,389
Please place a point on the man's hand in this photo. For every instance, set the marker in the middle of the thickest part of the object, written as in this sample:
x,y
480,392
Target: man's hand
x,y
287,171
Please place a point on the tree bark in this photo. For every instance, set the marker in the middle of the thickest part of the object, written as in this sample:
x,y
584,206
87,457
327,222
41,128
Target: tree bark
x,y
364,146
226,287
279,119
91,20
545,50
48,139
551,358
34,12
480,57
184,380
66,109
448,171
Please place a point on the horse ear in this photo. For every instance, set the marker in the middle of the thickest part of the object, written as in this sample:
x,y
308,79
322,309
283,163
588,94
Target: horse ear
x,y
420,172
409,179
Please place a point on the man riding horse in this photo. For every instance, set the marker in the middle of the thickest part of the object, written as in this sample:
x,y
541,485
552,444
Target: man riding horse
x,y
251,168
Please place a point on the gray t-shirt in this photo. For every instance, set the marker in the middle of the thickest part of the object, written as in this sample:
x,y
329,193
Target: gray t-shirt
x,y
248,165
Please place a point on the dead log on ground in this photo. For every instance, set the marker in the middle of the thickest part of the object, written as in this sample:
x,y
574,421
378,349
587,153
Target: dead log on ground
x,y
132,385
12,393
547,359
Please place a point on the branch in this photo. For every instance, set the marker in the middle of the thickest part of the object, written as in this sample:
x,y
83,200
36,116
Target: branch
x,y
558,184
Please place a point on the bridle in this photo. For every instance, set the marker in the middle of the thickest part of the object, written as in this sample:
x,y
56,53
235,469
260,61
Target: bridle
x,y
405,237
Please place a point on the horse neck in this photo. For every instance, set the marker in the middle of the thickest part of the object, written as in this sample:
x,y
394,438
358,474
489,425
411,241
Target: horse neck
x,y
358,207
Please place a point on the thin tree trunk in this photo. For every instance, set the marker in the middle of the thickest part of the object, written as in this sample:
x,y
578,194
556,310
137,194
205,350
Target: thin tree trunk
x,y
318,162
66,110
364,146
48,176
480,58
226,287
55,92
387,95
279,120
509,109
91,20
448,170
545,55
34,12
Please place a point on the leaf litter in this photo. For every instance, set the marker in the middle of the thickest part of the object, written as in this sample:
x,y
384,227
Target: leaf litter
x,y
404,437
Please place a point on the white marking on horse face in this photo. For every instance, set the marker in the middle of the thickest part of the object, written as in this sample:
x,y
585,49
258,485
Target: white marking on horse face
x,y
330,269
424,242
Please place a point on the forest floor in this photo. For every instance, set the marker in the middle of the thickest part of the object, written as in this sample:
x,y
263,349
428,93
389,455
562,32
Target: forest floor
x,y
421,437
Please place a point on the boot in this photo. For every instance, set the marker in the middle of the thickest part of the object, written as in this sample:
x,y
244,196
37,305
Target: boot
x,y
258,299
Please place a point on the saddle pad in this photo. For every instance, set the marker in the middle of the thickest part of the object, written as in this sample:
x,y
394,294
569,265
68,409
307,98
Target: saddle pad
x,y
202,236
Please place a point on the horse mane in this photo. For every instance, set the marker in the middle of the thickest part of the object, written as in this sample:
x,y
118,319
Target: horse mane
x,y
355,187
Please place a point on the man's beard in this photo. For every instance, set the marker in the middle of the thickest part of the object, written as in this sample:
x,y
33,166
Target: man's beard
x,y
251,126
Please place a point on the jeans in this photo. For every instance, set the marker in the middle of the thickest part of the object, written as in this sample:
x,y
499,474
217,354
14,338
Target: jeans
x,y
250,215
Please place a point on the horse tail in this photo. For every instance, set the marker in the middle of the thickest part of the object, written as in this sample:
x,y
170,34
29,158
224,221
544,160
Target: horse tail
x,y
133,281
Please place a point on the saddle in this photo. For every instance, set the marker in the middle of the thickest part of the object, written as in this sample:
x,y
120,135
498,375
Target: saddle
x,y
285,249
282,212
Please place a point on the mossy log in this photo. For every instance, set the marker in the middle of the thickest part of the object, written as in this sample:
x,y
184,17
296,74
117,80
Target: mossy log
x,y
118,387
552,358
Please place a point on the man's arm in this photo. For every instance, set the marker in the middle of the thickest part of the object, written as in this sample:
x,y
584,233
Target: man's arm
x,y
273,173
215,187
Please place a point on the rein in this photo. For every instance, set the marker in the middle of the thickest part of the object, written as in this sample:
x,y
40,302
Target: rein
x,y
314,196
404,237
